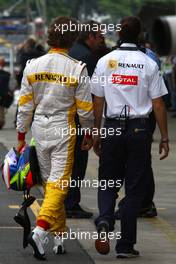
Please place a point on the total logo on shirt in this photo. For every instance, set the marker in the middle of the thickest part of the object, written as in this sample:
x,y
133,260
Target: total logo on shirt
x,y
124,79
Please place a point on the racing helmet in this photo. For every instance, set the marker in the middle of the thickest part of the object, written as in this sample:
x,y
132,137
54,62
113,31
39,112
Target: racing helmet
x,y
20,171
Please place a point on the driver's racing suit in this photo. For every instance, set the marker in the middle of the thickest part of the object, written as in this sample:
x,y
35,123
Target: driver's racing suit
x,y
51,93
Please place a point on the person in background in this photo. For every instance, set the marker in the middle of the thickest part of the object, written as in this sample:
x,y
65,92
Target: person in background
x,y
173,91
7,86
88,49
29,50
167,70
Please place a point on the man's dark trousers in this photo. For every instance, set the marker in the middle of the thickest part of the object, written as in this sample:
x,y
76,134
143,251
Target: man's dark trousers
x,y
148,199
79,51
130,152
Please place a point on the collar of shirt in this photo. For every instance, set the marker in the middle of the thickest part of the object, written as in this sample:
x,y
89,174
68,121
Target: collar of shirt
x,y
58,50
128,45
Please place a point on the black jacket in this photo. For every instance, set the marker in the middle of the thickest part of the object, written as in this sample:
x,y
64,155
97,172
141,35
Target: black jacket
x,y
4,82
80,51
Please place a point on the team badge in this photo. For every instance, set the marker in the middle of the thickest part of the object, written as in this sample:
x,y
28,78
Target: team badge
x,y
112,64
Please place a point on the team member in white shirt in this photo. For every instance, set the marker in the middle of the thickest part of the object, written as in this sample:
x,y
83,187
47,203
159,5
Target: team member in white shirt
x,y
127,84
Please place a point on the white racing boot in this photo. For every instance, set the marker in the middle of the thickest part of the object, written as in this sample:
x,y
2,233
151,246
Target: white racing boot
x,y
58,245
36,239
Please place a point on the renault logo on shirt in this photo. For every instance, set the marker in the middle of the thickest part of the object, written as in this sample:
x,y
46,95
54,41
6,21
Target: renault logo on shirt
x,y
131,65
114,64
124,79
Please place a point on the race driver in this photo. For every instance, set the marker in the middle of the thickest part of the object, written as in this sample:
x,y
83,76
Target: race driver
x,y
52,91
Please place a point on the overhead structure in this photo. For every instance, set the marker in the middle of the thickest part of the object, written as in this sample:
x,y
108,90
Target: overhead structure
x,y
40,8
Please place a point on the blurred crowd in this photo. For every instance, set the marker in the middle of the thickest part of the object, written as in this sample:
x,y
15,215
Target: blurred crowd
x,y
31,48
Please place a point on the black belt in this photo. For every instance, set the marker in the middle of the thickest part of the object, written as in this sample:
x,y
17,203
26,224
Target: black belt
x,y
127,124
128,119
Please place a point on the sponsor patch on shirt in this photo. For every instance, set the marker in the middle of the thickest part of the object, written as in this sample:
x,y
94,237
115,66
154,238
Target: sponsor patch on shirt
x,y
112,64
50,77
124,79
131,65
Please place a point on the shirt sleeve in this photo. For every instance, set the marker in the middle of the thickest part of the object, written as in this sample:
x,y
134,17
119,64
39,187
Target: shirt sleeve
x,y
26,105
153,56
97,86
83,99
157,87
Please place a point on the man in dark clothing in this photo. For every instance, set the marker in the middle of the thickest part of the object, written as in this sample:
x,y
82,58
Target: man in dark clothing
x,y
81,51
28,51
4,90
85,50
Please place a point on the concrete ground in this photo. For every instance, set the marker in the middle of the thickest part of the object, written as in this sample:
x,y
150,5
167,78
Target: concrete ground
x,y
156,237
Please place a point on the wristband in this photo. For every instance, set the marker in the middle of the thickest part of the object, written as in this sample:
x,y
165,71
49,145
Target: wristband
x,y
21,136
88,134
164,141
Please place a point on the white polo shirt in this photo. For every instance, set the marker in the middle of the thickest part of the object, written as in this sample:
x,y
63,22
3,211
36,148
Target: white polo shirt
x,y
127,77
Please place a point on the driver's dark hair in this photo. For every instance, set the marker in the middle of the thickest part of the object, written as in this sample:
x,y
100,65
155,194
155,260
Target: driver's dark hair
x,y
59,39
